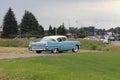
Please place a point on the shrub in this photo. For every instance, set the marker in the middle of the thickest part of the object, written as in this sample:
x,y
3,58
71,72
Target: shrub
x,y
97,45
89,44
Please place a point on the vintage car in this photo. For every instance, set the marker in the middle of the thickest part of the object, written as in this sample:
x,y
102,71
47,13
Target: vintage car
x,y
54,44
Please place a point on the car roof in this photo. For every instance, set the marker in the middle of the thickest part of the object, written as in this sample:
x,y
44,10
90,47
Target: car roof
x,y
54,37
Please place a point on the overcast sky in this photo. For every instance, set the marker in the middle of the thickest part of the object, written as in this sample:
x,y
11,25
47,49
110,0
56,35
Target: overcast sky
x,y
77,13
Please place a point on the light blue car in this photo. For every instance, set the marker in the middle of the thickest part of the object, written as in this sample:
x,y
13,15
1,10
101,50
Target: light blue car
x,y
54,44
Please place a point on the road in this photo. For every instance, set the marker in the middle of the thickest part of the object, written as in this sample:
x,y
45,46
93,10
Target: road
x,y
115,43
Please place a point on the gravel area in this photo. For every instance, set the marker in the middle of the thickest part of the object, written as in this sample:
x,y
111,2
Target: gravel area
x,y
9,56
23,55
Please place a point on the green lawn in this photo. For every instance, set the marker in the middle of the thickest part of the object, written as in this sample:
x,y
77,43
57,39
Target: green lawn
x,y
80,66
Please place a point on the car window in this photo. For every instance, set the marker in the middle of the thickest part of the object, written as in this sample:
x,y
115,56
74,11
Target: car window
x,y
52,40
61,39
64,39
48,39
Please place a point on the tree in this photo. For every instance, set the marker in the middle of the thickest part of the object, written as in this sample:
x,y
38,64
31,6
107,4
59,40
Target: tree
x,y
73,30
41,30
50,31
30,25
54,31
82,33
61,30
90,29
9,25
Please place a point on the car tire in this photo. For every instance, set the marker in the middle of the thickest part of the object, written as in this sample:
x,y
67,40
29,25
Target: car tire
x,y
38,51
60,51
55,50
75,49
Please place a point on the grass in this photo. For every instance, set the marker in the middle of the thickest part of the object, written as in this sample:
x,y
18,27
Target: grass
x,y
15,42
97,45
81,66
90,44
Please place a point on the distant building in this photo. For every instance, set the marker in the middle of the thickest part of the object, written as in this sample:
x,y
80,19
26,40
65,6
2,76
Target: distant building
x,y
110,33
72,30
70,35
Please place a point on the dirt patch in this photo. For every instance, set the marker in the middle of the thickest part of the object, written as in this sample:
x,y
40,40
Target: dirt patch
x,y
18,50
15,50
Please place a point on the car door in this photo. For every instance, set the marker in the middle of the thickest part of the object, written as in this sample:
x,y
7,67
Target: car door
x,y
52,44
64,44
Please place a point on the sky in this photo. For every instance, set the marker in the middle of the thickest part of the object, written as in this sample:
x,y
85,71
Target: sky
x,y
103,14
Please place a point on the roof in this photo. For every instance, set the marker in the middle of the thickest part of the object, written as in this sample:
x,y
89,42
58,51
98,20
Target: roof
x,y
54,37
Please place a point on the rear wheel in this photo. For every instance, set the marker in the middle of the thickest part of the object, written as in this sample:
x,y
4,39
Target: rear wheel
x,y
75,49
55,50
38,51
60,51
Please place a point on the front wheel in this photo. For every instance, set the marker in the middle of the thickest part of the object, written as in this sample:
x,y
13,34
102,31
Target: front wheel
x,y
55,50
38,51
75,49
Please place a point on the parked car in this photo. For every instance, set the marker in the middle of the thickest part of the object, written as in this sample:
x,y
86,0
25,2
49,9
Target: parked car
x,y
54,44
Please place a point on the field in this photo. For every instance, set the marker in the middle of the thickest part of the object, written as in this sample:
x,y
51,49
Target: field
x,y
95,61
66,66
85,44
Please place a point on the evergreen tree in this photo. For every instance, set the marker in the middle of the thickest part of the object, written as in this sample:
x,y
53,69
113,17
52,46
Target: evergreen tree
x,y
9,25
54,31
50,30
61,30
41,30
30,25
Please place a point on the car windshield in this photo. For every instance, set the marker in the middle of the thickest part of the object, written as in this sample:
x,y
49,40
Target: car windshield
x,y
48,39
